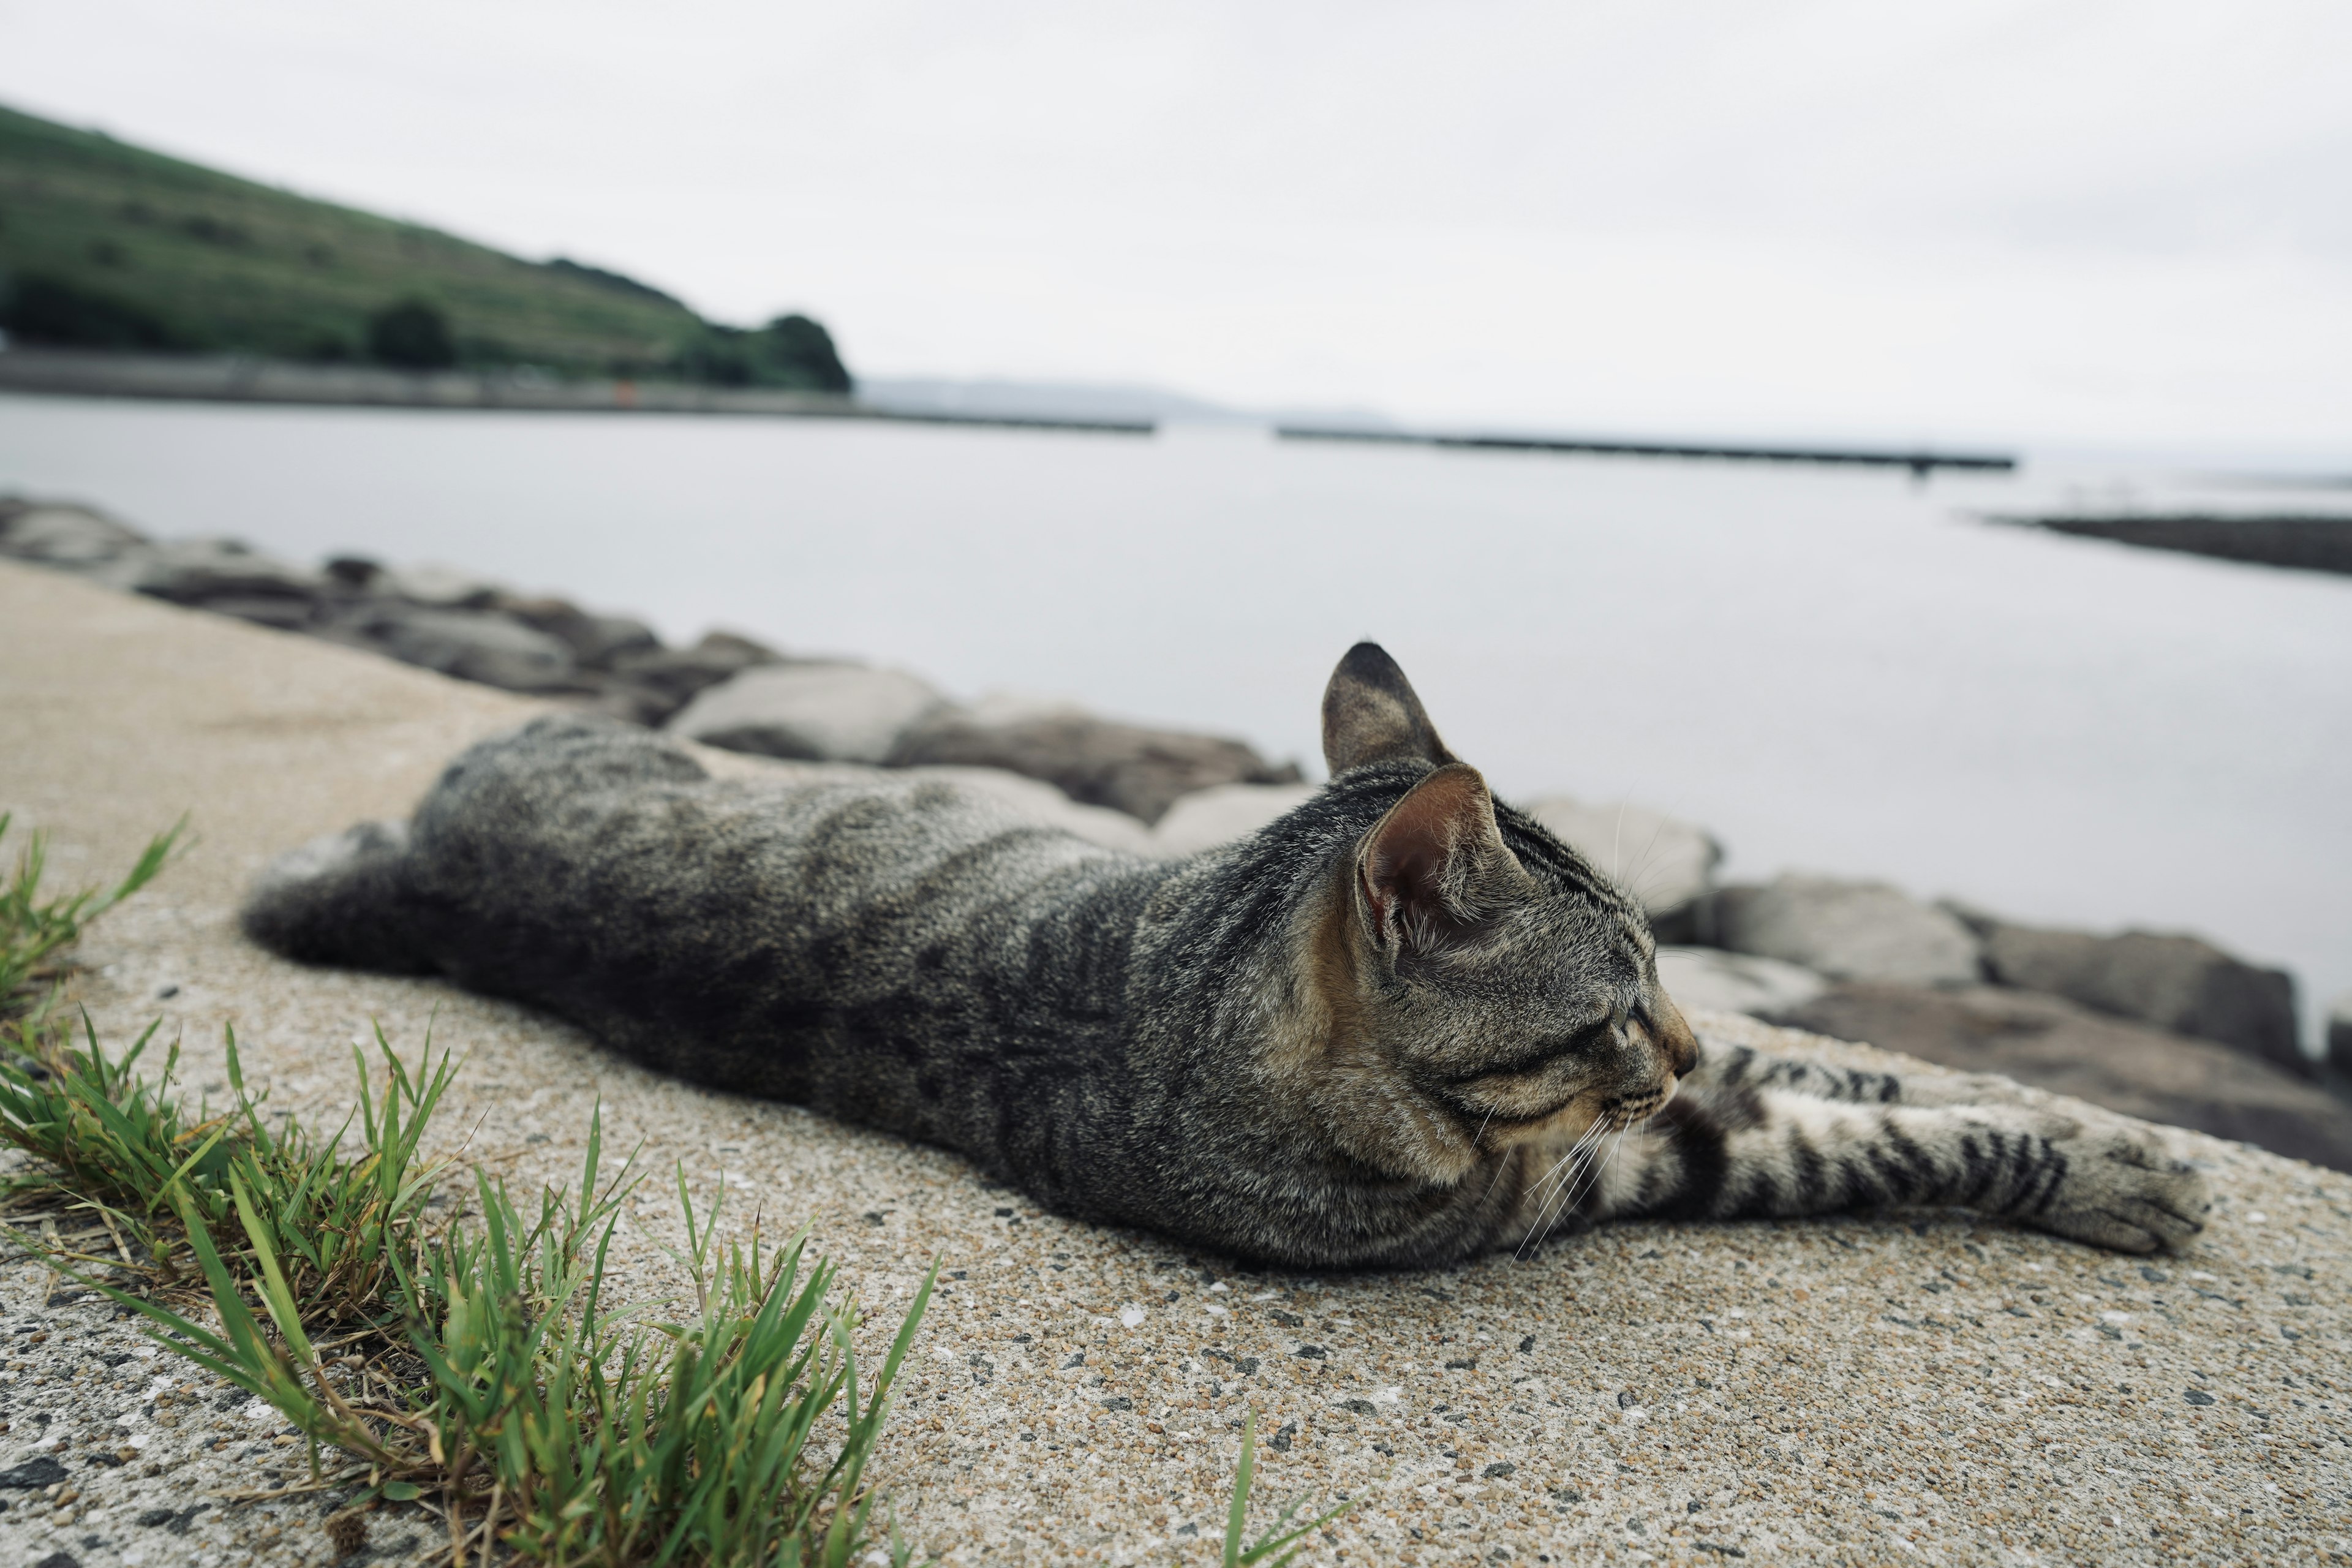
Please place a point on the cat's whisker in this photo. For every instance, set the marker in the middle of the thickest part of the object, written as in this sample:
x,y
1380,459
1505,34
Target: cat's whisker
x,y
1537,1186
1551,1174
1572,1194
1579,1146
1543,1202
1633,880
1596,1170
1574,1164
1599,1171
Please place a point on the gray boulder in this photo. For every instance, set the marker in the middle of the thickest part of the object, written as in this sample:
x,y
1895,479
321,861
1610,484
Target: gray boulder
x,y
1847,931
597,641
436,587
1141,771
224,574
286,613
664,680
471,645
73,537
2339,1033
2177,983
1222,813
817,712
1667,863
2056,1044
1718,981
1041,802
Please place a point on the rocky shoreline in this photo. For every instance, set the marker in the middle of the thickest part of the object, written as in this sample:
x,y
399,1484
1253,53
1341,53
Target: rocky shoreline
x,y
2165,1026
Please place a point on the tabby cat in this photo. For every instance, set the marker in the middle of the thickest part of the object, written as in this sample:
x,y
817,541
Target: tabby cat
x,y
1400,1026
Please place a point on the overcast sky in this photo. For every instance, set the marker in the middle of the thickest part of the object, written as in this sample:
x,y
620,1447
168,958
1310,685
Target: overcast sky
x,y
2073,222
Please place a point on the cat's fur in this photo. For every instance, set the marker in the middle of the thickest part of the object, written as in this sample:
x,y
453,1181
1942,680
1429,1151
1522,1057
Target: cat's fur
x,y
1402,1025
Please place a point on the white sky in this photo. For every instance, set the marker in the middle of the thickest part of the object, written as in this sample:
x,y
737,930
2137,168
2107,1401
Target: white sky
x,y
2127,222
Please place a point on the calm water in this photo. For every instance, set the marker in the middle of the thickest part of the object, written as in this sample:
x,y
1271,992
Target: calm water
x,y
1837,672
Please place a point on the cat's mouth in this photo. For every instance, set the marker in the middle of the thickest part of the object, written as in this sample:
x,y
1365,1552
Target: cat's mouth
x,y
1494,1127
1624,1111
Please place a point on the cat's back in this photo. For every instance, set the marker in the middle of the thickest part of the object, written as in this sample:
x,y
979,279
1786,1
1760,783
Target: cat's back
x,y
581,817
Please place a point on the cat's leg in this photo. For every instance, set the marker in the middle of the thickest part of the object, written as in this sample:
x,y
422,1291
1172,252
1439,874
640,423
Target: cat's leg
x,y
1737,1151
378,895
1732,1068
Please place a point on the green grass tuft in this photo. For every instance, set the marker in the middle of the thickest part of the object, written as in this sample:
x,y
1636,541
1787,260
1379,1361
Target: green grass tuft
x,y
476,1363
34,932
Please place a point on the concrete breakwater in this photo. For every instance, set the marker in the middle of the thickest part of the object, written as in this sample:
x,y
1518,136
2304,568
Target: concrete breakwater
x,y
2163,1025
1866,1388
2306,541
1921,461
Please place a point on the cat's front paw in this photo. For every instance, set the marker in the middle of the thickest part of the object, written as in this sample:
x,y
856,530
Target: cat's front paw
x,y
2122,1188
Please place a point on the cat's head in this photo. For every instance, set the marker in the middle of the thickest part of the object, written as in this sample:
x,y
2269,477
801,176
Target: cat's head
x,y
1486,984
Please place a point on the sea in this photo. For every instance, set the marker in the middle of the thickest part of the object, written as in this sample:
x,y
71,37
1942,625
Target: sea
x,y
1843,671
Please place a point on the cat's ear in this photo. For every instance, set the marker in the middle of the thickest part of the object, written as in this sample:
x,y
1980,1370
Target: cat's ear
x,y
1371,715
1436,864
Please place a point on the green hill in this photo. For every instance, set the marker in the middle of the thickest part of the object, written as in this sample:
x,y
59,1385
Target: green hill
x,y
106,245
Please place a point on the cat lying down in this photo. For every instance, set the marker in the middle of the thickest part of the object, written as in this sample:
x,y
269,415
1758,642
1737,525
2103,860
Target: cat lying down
x,y
1400,1026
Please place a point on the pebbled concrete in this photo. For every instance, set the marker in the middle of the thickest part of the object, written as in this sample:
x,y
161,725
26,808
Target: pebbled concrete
x,y
1915,1388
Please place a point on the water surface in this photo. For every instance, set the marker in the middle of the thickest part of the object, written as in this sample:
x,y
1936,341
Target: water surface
x,y
1836,671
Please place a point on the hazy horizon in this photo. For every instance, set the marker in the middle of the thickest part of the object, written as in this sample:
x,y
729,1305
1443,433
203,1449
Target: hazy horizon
x,y
2035,224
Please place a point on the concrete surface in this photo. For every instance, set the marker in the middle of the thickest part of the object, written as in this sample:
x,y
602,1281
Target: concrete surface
x,y
1920,1388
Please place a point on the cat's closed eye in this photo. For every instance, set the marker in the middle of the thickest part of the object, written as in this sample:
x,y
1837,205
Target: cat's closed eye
x,y
1542,1056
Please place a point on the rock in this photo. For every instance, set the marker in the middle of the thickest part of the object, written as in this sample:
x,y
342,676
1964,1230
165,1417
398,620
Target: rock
x,y
436,587
74,537
669,677
202,571
596,641
1847,931
286,613
1720,981
1043,803
352,571
39,1472
820,712
1667,863
1095,762
1222,813
472,645
2177,983
745,651
2339,1033
2056,1045
601,693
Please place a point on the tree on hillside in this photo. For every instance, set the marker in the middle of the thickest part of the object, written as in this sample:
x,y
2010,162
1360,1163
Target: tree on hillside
x,y
411,334
40,309
791,351
802,352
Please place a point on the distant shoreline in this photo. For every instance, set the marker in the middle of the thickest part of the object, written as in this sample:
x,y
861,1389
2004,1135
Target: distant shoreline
x,y
2298,541
83,373
95,372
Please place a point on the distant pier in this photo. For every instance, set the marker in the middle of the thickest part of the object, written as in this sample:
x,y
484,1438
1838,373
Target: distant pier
x,y
1920,462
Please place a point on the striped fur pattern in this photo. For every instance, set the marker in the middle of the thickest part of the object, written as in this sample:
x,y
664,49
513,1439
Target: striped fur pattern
x,y
1402,1025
